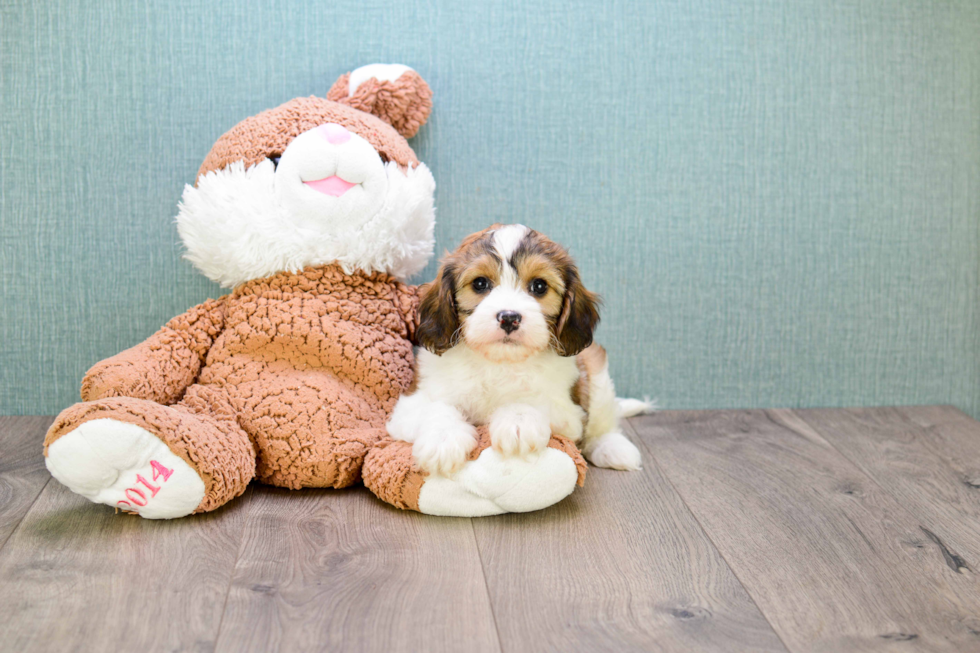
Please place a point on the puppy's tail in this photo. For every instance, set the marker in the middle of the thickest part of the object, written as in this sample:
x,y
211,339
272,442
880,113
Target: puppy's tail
x,y
634,407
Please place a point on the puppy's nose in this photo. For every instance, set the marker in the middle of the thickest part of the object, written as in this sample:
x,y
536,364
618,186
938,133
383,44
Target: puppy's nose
x,y
334,133
510,321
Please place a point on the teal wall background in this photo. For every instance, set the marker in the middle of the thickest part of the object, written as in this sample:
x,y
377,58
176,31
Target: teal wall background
x,y
779,200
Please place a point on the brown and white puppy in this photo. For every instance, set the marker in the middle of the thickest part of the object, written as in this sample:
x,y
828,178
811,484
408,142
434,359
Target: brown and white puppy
x,y
507,330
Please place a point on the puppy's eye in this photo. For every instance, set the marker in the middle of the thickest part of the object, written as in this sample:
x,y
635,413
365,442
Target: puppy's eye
x,y
539,287
480,284
275,161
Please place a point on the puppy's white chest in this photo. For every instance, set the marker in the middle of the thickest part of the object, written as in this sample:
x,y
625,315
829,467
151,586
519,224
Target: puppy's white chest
x,y
479,387
507,386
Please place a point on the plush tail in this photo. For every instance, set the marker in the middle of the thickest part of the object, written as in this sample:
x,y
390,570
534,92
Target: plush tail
x,y
634,407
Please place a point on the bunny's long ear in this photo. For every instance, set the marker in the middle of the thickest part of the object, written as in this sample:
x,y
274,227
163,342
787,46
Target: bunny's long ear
x,y
393,92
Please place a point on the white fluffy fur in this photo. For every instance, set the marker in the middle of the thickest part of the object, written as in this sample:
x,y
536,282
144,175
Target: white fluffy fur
x,y
494,484
614,451
521,401
520,429
235,230
633,407
517,384
507,239
414,415
383,72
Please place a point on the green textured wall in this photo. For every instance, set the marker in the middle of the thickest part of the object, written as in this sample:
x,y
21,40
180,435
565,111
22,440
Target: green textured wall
x,y
780,201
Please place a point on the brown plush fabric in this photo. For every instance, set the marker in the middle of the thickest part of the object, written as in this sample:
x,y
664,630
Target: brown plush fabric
x,y
304,367
160,368
268,133
390,471
404,103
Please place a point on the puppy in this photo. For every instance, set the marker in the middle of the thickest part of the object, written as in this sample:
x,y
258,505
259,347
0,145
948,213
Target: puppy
x,y
507,330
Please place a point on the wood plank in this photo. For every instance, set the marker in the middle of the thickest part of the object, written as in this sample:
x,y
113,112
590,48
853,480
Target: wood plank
x,y
22,471
834,562
954,436
621,565
931,478
75,576
339,570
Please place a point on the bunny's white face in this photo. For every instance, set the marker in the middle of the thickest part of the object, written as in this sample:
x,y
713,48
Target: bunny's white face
x,y
328,198
330,177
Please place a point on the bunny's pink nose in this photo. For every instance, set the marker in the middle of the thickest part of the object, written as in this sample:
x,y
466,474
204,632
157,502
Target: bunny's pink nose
x,y
334,133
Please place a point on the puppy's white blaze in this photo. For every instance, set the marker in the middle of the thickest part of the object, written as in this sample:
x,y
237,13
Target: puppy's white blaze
x,y
507,239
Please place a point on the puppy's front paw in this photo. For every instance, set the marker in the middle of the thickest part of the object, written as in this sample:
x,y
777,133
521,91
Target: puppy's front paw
x,y
519,429
569,426
614,451
411,415
444,449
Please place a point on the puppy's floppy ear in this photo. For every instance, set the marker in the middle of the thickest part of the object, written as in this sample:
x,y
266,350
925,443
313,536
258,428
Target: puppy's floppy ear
x,y
579,315
438,319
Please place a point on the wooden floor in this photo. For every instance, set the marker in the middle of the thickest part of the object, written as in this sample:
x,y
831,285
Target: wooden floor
x,y
803,530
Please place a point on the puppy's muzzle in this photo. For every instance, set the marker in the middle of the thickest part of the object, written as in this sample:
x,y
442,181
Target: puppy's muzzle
x,y
510,321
